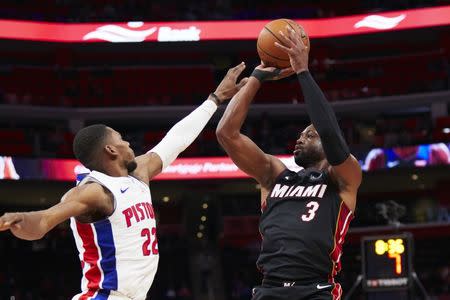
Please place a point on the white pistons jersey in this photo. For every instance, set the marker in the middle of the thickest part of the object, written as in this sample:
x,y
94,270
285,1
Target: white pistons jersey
x,y
119,254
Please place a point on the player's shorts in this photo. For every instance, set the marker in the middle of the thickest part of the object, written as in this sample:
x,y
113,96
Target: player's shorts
x,y
292,290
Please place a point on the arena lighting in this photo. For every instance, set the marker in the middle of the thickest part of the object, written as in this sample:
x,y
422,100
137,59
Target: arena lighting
x,y
137,31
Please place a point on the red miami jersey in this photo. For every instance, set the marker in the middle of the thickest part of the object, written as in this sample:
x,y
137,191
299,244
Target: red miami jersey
x,y
119,254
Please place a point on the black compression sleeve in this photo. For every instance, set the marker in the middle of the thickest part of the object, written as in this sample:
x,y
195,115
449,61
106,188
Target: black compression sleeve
x,y
324,120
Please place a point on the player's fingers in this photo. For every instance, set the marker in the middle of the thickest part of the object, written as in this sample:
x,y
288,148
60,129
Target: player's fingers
x,y
231,70
287,40
291,34
282,47
234,72
4,225
300,39
295,37
11,218
237,68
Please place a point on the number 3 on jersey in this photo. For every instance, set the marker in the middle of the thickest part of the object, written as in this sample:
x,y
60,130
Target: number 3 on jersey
x,y
312,212
146,251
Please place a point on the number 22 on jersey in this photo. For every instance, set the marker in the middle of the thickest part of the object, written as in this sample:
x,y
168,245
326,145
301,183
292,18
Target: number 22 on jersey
x,y
150,245
314,206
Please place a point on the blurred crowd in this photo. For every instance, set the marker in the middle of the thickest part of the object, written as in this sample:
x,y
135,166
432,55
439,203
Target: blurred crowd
x,y
100,10
272,134
122,81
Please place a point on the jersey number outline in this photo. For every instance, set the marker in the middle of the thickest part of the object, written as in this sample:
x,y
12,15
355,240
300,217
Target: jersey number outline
x,y
312,212
148,235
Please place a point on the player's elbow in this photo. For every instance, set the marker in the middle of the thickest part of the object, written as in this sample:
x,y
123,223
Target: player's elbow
x,y
224,135
221,133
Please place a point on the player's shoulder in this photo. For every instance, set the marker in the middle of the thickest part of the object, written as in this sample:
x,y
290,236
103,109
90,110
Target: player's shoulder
x,y
89,191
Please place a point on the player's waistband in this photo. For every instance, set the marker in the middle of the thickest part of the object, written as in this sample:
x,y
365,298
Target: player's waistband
x,y
283,282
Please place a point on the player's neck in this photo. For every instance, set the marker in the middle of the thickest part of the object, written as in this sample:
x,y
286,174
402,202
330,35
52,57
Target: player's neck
x,y
320,166
114,170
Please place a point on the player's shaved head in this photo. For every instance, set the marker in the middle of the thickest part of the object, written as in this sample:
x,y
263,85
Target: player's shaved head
x,y
87,143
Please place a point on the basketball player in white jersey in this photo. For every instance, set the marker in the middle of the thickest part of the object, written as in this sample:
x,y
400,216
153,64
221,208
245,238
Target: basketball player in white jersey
x,y
110,210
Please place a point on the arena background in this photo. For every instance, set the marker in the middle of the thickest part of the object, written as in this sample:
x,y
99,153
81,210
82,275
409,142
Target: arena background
x,y
387,78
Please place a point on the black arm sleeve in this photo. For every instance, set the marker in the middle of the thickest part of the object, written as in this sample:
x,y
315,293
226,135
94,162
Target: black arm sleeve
x,y
324,120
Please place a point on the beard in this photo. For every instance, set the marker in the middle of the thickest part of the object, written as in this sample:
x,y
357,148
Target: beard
x,y
308,157
131,166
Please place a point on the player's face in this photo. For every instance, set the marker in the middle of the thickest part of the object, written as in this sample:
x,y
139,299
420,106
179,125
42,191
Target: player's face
x,y
308,148
125,153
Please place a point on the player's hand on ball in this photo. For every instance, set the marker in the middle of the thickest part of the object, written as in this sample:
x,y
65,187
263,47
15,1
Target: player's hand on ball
x,y
296,49
263,73
229,86
10,221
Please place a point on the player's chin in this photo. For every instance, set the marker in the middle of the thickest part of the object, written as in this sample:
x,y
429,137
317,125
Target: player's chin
x,y
298,159
131,166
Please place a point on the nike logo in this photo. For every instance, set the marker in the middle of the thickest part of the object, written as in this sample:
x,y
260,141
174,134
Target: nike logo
x,y
320,287
124,190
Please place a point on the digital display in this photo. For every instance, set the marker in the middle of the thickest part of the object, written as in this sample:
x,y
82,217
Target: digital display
x,y
386,262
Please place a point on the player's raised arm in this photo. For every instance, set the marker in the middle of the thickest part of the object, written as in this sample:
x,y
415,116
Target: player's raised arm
x,y
241,149
35,224
183,133
344,167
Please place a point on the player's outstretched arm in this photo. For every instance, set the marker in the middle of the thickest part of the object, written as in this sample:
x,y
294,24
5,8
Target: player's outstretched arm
x,y
183,133
344,167
34,225
241,149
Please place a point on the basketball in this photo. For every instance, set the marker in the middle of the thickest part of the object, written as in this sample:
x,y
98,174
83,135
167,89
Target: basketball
x,y
267,51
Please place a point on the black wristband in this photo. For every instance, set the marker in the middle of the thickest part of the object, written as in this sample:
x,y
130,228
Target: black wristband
x,y
215,99
265,75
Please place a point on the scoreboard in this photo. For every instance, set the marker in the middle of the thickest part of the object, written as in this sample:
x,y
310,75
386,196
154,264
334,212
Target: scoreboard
x,y
386,262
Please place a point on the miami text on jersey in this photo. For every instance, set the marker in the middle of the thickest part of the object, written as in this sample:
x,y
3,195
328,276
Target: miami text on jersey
x,y
284,191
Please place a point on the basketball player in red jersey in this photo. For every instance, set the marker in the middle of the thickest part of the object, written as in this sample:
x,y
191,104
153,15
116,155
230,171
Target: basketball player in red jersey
x,y
305,215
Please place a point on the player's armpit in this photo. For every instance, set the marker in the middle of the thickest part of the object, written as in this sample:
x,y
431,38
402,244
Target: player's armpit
x,y
77,201
348,175
149,165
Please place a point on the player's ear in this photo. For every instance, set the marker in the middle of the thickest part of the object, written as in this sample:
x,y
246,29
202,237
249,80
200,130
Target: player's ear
x,y
110,150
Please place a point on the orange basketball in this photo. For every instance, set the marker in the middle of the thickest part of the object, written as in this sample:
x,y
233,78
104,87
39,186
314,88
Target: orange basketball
x,y
267,51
